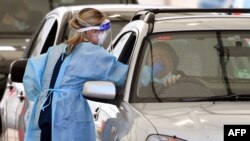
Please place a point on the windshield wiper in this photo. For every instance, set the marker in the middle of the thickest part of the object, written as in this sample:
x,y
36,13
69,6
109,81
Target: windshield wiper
x,y
234,97
224,58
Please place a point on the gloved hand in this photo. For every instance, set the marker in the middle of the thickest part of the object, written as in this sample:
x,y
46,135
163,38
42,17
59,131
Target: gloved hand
x,y
171,80
168,80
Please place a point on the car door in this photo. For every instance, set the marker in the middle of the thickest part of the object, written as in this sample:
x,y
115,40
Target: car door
x,y
15,106
109,117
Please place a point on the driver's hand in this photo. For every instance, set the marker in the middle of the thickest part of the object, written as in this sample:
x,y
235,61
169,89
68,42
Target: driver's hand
x,y
172,80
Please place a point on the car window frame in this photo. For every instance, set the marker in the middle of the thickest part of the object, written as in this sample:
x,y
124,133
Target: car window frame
x,y
121,50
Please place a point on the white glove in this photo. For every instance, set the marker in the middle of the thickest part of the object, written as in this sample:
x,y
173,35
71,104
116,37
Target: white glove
x,y
171,80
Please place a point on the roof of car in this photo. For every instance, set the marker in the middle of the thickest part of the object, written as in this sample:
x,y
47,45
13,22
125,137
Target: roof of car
x,y
172,12
118,7
112,10
174,19
202,23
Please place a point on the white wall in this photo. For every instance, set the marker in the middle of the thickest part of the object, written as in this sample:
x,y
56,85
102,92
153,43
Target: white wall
x,y
175,3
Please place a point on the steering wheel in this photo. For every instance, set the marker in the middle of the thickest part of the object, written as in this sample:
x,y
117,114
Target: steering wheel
x,y
186,79
186,87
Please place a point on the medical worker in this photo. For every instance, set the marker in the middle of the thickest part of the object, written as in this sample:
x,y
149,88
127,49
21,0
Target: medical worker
x,y
54,81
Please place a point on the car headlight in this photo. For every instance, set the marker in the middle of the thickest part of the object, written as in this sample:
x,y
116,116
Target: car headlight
x,y
163,138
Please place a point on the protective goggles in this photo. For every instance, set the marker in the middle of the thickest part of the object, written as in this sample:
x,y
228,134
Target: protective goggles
x,y
103,27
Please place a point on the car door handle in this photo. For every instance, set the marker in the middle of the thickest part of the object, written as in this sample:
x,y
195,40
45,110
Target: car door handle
x,y
96,113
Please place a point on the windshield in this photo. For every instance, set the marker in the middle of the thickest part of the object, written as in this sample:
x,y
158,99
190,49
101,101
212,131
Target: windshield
x,y
203,64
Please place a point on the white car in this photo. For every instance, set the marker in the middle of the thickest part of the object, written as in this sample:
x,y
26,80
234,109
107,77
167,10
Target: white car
x,y
54,29
211,52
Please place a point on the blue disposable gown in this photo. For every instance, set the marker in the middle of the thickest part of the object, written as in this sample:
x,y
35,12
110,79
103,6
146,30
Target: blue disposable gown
x,y
71,116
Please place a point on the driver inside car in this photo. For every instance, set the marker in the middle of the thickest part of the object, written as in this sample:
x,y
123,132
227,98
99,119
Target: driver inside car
x,y
160,66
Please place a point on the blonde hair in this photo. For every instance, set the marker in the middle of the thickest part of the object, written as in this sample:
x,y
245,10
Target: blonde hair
x,y
85,18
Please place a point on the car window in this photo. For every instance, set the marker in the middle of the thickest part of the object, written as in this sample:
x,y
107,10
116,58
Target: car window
x,y
45,38
120,43
127,49
211,63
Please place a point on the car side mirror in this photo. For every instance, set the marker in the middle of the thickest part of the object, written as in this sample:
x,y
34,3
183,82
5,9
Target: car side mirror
x,y
101,91
17,70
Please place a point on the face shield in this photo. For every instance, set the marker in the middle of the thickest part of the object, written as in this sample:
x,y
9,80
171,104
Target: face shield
x,y
105,34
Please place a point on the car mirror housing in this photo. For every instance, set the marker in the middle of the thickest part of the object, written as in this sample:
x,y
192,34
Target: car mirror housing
x,y
17,70
99,90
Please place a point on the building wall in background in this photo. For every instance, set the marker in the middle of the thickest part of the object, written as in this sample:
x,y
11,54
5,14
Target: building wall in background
x,y
199,3
174,3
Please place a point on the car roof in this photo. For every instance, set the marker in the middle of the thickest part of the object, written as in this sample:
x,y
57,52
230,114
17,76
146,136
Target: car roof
x,y
202,23
113,11
177,19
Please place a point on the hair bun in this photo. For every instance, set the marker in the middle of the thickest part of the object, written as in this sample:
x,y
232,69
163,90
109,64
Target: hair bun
x,y
74,23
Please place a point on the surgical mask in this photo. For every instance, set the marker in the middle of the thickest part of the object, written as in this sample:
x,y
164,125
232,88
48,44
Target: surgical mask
x,y
158,67
101,37
146,76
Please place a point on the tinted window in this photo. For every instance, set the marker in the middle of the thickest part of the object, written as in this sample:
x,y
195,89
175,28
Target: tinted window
x,y
119,45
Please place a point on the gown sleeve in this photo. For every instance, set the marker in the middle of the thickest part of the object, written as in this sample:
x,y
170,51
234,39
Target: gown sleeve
x,y
33,74
89,62
115,71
